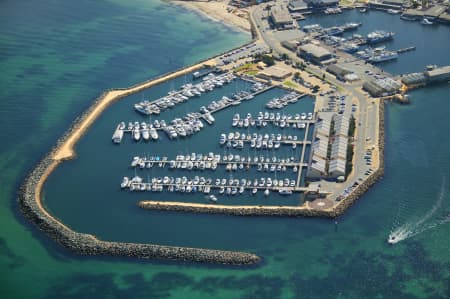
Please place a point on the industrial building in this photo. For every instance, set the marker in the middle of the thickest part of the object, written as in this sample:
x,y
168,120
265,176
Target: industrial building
x,y
381,87
338,71
315,54
281,18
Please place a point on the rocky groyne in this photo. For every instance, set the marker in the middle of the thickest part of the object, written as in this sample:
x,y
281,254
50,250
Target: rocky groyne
x,y
284,211
86,244
29,198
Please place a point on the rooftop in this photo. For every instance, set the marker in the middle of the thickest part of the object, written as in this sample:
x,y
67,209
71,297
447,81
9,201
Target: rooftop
x,y
280,15
438,71
314,50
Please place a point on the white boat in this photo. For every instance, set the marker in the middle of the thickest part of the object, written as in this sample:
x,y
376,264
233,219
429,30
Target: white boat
x,y
212,198
266,192
284,192
125,182
393,11
425,21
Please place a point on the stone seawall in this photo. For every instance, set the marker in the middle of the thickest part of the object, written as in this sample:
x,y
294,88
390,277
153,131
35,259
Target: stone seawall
x,y
86,244
235,210
29,198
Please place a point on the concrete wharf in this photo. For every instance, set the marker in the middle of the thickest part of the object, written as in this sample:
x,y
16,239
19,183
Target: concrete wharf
x,y
302,157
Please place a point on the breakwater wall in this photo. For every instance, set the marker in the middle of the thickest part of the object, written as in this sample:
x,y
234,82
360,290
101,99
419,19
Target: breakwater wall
x,y
282,211
86,244
30,202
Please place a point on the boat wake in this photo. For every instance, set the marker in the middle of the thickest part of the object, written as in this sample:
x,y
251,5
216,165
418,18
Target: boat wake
x,y
430,220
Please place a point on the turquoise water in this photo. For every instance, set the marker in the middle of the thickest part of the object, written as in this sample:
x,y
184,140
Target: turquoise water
x,y
78,50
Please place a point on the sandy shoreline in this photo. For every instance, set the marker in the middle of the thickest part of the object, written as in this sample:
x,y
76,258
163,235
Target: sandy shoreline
x,y
66,151
217,11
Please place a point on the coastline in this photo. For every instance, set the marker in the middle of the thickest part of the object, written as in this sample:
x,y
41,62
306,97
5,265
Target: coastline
x,y
215,11
30,200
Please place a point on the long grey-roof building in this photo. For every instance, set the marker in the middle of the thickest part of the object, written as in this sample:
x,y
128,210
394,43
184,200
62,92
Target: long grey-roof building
x,y
316,54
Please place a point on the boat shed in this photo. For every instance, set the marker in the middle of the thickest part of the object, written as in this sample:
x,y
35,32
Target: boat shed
x,y
323,126
341,125
317,167
336,168
320,147
413,79
316,54
339,148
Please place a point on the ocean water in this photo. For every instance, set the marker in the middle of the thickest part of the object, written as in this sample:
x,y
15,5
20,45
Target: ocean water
x,y
57,57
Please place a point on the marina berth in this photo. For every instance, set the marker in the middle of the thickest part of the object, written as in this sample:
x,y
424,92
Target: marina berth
x,y
186,92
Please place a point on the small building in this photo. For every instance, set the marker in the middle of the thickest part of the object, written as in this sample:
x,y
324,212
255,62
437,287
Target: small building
x,y
339,148
438,74
381,87
413,79
341,125
322,4
280,17
323,126
316,54
339,71
291,45
397,3
298,6
317,168
336,168
320,147
274,72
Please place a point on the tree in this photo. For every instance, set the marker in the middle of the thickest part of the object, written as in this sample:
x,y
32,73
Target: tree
x,y
268,60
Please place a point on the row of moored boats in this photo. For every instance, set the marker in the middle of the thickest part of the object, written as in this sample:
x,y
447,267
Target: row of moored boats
x,y
279,103
277,119
258,141
187,91
211,161
205,185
